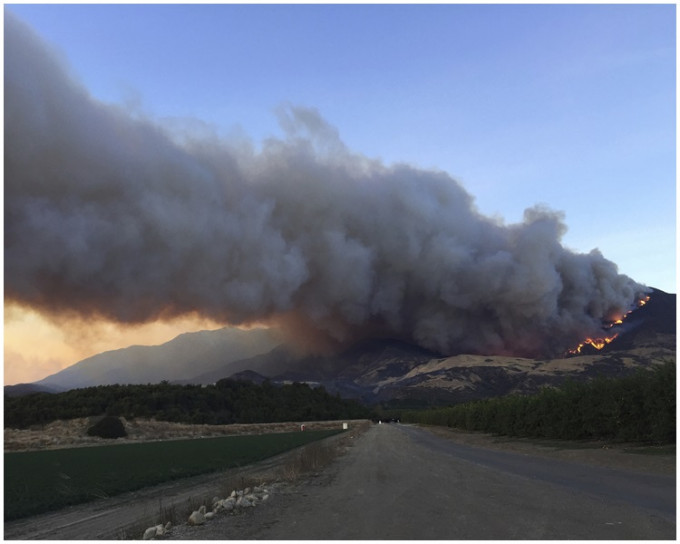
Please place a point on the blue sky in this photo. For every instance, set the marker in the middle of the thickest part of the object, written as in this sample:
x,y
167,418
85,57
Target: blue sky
x,y
572,106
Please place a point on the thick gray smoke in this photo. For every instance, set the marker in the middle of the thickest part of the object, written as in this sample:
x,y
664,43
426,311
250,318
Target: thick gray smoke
x,y
110,215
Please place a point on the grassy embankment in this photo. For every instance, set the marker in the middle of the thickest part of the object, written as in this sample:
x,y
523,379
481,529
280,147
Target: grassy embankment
x,y
41,481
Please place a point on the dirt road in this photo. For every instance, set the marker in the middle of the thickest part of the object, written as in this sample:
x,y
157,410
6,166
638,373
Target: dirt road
x,y
401,482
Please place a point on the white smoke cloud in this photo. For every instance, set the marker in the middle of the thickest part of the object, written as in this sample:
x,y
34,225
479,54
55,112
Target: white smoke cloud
x,y
108,214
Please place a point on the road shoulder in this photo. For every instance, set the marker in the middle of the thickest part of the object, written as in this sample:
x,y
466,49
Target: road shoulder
x,y
655,460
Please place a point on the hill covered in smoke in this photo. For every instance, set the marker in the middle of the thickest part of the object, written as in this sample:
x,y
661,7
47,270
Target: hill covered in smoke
x,y
110,215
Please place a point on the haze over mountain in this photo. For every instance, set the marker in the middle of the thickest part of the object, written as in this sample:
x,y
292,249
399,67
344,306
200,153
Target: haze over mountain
x,y
185,355
379,369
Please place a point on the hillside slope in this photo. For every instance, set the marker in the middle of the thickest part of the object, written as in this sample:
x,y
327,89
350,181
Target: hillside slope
x,y
186,354
378,370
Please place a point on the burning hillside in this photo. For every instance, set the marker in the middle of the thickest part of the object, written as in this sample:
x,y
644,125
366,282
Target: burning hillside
x,y
614,326
383,369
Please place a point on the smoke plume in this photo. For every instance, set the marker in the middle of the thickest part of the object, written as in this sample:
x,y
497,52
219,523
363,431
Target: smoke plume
x,y
110,215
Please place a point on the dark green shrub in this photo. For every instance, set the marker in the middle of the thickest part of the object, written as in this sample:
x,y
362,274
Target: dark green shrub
x,y
224,403
108,427
635,408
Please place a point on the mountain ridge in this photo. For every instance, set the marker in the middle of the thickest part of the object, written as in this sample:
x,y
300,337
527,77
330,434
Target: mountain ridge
x,y
382,369
202,351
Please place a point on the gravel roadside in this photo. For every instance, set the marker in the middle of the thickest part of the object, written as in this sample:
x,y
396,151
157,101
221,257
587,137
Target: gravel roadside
x,y
332,494
656,460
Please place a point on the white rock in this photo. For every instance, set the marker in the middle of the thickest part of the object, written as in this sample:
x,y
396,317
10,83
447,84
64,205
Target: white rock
x,y
246,491
160,530
197,518
168,526
149,534
265,497
233,493
209,515
243,502
202,509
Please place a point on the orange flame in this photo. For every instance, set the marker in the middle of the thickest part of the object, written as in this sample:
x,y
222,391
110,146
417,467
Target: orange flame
x,y
599,343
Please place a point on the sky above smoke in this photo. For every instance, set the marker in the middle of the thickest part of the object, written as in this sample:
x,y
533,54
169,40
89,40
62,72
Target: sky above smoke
x,y
110,214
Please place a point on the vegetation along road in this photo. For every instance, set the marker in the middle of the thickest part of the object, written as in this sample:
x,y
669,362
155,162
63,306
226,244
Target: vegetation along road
x,y
403,482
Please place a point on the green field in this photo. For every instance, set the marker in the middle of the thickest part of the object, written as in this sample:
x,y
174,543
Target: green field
x,y
40,481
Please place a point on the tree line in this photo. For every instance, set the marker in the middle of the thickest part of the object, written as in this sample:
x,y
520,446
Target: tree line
x,y
228,401
637,408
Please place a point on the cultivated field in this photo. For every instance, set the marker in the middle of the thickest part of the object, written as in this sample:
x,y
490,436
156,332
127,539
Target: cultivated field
x,y
127,515
40,481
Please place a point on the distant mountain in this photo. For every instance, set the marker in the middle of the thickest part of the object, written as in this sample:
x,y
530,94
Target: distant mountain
x,y
28,388
378,370
248,376
359,359
648,325
389,375
387,370
187,354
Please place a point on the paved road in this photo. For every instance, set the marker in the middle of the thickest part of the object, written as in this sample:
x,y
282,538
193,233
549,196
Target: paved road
x,y
401,482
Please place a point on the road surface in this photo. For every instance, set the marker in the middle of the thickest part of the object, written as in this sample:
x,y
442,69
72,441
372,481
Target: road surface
x,y
402,482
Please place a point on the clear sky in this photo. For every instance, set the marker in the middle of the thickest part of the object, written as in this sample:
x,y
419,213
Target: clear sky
x,y
571,106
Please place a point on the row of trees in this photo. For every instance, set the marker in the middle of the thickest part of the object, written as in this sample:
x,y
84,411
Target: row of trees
x,y
226,402
639,408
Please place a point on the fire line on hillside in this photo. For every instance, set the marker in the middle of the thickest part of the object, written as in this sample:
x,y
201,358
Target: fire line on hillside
x,y
601,341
